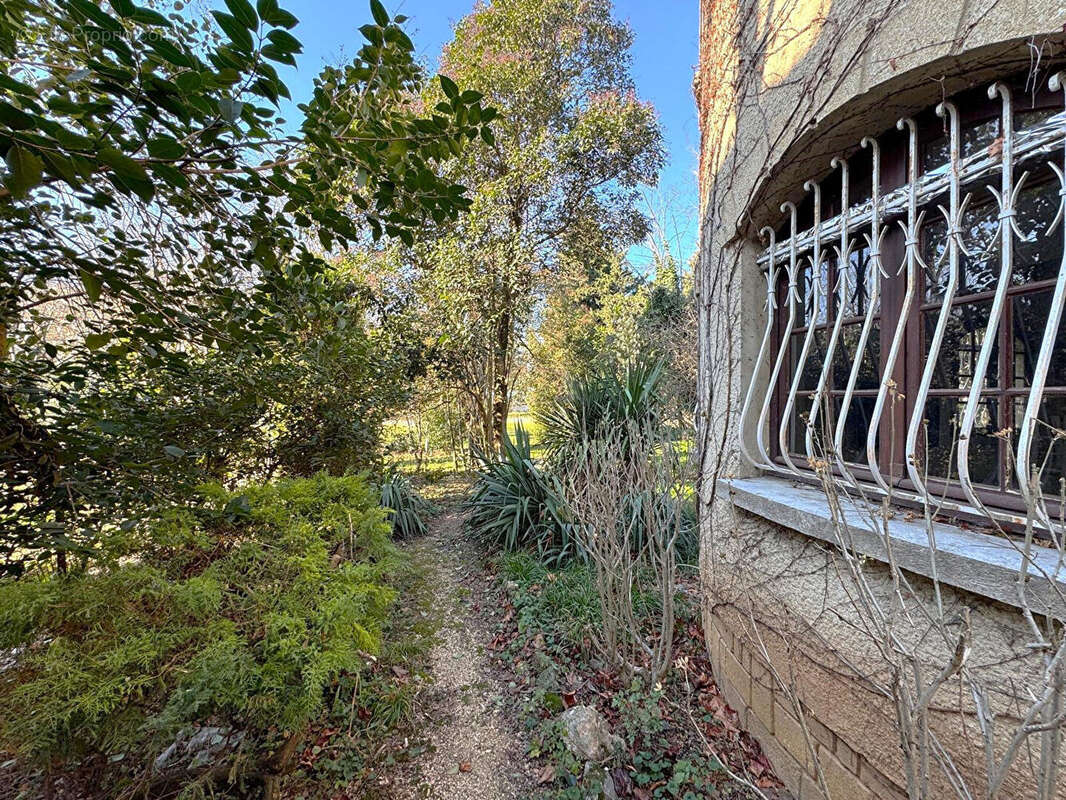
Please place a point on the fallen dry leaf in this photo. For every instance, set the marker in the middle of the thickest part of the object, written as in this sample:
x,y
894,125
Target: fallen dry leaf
x,y
465,766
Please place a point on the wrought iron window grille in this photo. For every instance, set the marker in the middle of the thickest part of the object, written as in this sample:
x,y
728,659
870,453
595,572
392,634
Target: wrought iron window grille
x,y
958,182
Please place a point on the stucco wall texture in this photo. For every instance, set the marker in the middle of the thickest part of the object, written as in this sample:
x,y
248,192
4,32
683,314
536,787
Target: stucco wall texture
x,y
781,88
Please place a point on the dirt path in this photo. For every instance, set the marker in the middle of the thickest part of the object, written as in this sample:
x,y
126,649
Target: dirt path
x,y
477,753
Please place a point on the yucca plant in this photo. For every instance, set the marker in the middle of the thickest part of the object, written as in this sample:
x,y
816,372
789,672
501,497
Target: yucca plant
x,y
602,405
517,506
405,508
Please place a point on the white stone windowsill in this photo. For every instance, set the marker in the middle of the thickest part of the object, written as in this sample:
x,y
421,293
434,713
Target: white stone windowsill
x,y
981,563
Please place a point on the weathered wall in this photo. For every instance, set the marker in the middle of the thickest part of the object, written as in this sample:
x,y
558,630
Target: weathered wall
x,y
781,88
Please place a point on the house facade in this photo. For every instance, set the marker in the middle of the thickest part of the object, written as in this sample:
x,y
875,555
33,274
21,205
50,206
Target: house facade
x,y
881,284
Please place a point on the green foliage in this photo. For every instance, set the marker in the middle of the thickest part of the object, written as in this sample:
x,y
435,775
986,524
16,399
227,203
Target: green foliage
x,y
515,505
566,604
571,148
663,760
165,239
603,405
599,315
405,508
238,612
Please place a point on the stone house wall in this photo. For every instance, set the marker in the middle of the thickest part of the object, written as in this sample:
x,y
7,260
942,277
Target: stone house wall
x,y
781,88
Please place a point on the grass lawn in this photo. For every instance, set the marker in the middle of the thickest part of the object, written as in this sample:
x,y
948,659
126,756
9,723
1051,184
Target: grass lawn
x,y
438,463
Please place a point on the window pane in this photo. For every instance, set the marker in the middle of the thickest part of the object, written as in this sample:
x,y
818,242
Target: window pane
x,y
1045,445
853,442
935,153
1030,312
797,434
965,333
845,356
859,277
805,308
1037,256
978,271
812,367
943,416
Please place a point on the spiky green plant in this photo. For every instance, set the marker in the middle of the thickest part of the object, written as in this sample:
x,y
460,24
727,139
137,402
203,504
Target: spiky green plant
x,y
516,505
405,509
600,405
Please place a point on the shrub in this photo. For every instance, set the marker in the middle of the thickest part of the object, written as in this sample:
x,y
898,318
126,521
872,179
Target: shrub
x,y
600,405
404,507
240,615
517,506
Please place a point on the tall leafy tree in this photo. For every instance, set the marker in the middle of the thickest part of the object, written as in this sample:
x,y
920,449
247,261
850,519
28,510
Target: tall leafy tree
x,y
570,150
155,209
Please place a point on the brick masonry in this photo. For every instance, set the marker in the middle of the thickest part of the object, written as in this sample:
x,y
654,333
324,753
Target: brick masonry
x,y
768,714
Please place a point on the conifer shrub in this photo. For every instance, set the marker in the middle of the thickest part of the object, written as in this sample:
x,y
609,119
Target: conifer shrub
x,y
238,613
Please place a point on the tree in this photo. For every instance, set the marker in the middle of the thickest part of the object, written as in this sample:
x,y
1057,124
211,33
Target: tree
x,y
571,147
155,214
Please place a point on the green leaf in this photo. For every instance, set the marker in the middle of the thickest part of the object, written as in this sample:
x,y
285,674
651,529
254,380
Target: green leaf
x,y
486,134
381,16
275,53
168,51
243,11
93,12
61,167
285,41
449,87
92,285
470,96
166,148
123,165
25,170
237,33
129,172
173,450
189,81
149,17
94,341
272,15
14,118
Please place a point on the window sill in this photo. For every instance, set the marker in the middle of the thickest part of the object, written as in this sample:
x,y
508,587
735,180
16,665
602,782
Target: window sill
x,y
981,563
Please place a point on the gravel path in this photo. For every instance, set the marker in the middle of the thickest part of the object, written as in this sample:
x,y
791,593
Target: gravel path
x,y
477,753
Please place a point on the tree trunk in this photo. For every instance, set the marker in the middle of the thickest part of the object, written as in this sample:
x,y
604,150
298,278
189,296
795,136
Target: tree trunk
x,y
501,391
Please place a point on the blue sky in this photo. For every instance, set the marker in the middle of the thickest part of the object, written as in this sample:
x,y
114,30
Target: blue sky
x,y
664,55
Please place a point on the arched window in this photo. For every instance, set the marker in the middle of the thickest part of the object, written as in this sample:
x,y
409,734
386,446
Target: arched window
x,y
915,340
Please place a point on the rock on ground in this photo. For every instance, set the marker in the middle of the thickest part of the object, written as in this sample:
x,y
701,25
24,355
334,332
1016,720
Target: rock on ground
x,y
587,735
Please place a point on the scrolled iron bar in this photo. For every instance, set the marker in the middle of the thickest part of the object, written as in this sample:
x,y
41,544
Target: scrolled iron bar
x,y
953,218
816,267
1044,139
1007,198
782,351
843,255
1041,140
910,263
1047,345
771,305
873,243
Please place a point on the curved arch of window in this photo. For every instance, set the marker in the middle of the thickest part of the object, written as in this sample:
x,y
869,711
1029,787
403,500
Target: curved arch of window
x,y
915,342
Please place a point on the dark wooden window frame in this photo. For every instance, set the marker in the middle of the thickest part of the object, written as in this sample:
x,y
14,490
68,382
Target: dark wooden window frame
x,y
975,109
